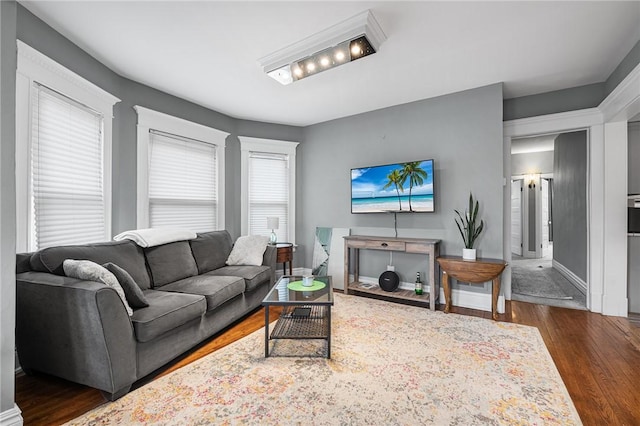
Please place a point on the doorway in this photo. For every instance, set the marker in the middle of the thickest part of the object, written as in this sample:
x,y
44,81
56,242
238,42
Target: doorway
x,y
538,276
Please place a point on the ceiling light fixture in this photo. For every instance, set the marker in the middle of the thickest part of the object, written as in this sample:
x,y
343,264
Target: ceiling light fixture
x,y
351,39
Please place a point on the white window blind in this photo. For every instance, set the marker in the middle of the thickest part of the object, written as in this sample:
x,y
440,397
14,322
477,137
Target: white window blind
x,y
67,188
182,183
268,193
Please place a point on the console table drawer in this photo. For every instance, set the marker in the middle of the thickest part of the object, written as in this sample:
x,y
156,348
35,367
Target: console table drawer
x,y
420,248
378,245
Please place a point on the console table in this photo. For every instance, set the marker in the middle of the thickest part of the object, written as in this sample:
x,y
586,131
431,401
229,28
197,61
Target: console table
x,y
429,247
472,271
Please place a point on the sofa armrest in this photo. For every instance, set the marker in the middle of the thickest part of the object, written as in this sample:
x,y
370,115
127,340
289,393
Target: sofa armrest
x,y
74,329
269,259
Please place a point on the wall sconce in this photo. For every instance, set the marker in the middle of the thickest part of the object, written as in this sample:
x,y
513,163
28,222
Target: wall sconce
x,y
532,181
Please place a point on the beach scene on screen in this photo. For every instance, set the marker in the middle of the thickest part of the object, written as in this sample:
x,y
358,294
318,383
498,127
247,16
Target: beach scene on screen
x,y
401,187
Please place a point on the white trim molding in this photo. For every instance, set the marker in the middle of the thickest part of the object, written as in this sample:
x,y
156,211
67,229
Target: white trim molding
x,y
568,274
34,67
149,119
623,102
552,123
248,145
11,417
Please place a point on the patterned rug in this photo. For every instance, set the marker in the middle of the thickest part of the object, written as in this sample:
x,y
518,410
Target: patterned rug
x,y
391,365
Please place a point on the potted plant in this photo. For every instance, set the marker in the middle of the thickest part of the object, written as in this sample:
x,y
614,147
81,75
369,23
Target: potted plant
x,y
468,228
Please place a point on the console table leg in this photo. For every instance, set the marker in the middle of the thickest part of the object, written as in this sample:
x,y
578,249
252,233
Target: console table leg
x,y
495,292
266,331
447,291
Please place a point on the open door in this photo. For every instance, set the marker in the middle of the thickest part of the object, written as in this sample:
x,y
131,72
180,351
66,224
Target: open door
x,y
516,217
545,217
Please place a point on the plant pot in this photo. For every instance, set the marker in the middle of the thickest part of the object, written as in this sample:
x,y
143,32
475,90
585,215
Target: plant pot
x,y
469,254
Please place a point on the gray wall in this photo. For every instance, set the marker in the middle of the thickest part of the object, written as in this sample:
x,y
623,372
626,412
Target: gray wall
x,y
575,98
633,264
570,202
7,204
588,96
40,36
625,67
532,162
462,132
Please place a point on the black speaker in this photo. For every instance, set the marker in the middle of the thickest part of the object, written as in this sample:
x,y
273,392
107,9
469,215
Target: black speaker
x,y
389,281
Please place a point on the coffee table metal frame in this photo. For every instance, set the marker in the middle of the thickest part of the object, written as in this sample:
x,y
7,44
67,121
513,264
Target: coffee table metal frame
x,y
314,322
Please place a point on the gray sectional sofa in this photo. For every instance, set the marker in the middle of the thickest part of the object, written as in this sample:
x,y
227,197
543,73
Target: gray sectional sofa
x,y
80,331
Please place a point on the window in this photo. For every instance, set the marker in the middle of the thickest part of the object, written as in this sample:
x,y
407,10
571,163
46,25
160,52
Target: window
x,y
182,183
268,186
180,173
63,155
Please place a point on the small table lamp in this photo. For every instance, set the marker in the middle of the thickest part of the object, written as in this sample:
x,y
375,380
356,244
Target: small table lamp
x,y
272,223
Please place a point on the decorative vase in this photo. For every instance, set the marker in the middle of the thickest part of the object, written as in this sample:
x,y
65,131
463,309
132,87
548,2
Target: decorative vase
x,y
469,254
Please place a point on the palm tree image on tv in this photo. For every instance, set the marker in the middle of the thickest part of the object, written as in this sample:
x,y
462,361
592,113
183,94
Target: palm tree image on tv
x,y
385,188
396,179
416,176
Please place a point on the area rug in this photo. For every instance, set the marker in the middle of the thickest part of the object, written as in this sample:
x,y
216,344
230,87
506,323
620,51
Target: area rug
x,y
391,365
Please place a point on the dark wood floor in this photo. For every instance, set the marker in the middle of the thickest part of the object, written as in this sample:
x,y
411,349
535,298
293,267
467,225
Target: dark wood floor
x,y
598,358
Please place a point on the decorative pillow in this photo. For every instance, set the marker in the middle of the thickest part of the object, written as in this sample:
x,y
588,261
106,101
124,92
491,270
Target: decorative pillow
x,y
248,250
91,271
132,291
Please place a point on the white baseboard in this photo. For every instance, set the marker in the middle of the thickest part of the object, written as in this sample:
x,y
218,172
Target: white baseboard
x,y
11,417
573,278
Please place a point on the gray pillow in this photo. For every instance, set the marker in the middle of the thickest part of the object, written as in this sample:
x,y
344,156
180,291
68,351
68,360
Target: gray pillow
x,y
132,291
91,271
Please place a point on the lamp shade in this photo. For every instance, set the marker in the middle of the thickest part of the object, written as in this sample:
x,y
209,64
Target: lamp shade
x,y
273,222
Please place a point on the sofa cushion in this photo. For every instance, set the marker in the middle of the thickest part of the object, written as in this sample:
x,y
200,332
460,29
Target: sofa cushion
x,y
170,262
132,292
211,250
248,250
253,275
165,312
216,289
125,254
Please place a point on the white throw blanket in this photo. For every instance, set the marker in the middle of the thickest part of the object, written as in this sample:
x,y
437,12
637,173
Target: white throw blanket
x,y
156,236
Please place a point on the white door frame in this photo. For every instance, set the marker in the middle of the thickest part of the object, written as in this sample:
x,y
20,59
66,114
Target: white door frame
x,y
607,254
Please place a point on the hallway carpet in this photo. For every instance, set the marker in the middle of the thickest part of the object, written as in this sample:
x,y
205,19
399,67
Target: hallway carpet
x,y
536,281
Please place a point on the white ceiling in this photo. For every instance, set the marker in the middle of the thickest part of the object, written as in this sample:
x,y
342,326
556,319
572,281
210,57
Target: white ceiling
x,y
207,51
534,144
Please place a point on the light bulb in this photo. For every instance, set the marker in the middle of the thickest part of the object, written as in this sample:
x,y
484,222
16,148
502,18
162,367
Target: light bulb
x,y
356,50
324,61
311,66
340,55
297,71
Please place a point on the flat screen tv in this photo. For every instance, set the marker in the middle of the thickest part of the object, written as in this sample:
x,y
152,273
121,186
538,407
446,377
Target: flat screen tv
x,y
393,188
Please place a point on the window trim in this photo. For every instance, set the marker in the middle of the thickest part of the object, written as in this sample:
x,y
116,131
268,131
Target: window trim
x,y
250,144
33,66
149,119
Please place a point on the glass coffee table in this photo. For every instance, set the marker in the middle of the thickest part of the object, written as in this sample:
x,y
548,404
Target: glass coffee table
x,y
306,312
